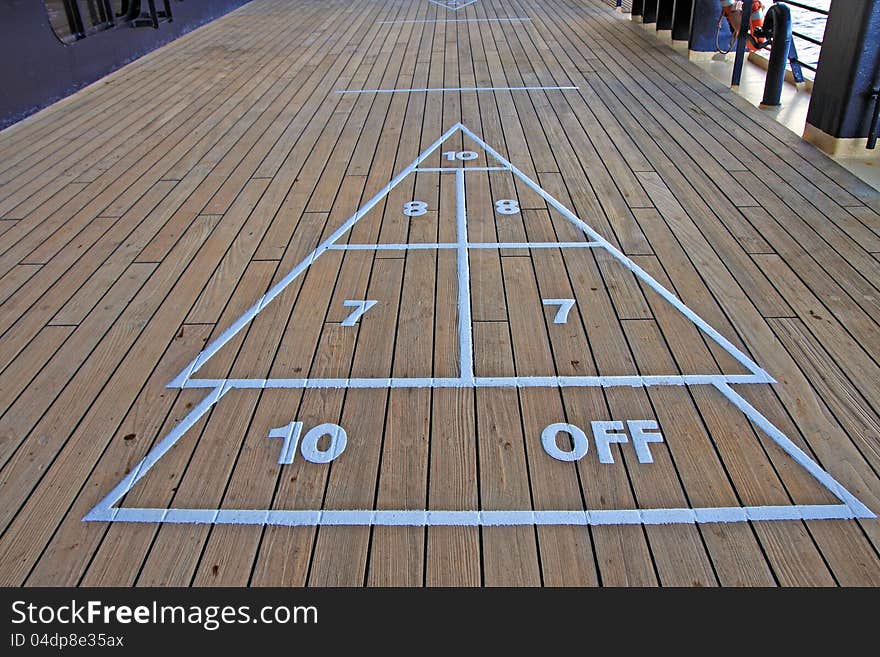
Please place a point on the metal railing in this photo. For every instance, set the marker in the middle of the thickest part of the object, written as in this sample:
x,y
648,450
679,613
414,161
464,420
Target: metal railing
x,y
73,20
793,57
795,62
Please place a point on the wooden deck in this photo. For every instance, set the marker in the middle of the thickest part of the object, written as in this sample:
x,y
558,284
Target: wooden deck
x,y
142,217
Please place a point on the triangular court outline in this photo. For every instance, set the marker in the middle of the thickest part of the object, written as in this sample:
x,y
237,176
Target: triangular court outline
x,y
452,5
184,378
105,510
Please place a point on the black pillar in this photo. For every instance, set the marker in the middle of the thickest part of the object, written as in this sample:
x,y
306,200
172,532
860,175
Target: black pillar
x,y
637,8
849,70
681,20
664,14
649,12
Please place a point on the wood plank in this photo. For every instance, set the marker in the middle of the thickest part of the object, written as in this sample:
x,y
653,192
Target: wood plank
x,y
59,562
397,553
161,493
452,553
737,557
554,484
510,554
340,553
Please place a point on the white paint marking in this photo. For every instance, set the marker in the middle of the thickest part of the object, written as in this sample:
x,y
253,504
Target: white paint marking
x,y
453,169
580,444
465,336
470,245
859,510
415,208
507,206
452,5
470,518
602,434
638,431
565,306
459,20
338,440
461,156
360,307
158,451
392,247
483,382
427,89
533,245
290,434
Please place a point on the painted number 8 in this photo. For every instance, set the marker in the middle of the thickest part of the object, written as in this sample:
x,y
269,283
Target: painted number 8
x,y
415,208
507,206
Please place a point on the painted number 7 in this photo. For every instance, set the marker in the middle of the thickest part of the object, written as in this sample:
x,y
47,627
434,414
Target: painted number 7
x,y
360,307
565,305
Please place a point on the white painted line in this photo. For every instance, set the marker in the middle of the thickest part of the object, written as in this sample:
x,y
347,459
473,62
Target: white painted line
x,y
453,169
412,91
470,245
459,20
465,335
415,246
473,518
482,382
533,245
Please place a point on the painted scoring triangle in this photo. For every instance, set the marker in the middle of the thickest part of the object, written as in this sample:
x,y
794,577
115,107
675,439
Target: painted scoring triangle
x,y
106,511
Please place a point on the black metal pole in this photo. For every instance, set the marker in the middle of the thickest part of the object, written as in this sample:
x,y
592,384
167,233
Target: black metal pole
x,y
779,19
638,7
875,119
74,19
744,26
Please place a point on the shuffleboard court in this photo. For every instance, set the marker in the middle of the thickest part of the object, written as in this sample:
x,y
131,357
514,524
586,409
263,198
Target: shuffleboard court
x,y
319,344
434,293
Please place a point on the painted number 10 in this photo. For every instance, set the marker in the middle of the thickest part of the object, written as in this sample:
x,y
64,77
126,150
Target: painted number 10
x,y
462,156
311,447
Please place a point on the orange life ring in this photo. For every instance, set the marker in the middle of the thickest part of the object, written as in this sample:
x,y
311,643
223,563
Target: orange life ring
x,y
756,21
732,11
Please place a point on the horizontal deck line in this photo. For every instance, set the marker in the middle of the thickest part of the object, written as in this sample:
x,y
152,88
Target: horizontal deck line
x,y
470,245
409,90
428,246
480,382
424,518
457,20
454,169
